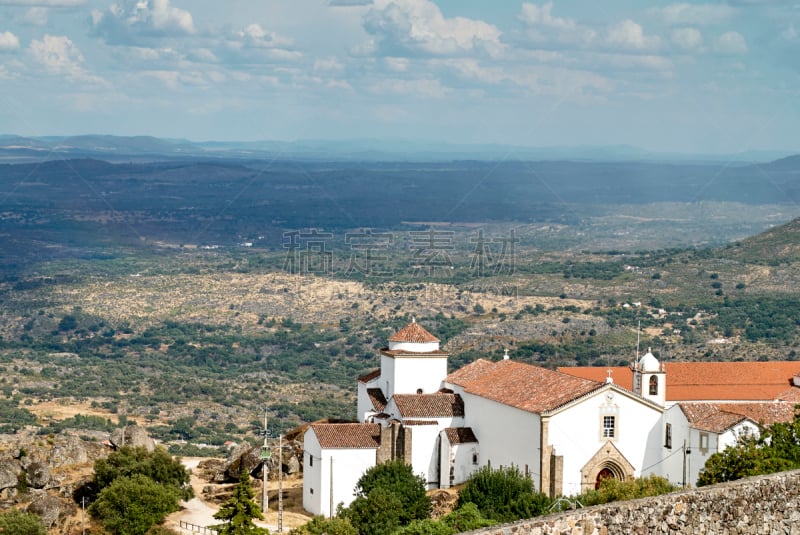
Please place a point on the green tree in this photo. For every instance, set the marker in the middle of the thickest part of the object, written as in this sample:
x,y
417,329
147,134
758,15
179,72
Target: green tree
x,y
377,513
131,505
398,478
775,450
319,525
747,458
157,465
19,523
240,510
502,495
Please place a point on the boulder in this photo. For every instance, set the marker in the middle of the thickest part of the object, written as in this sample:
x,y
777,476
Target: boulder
x,y
242,457
47,507
9,473
133,436
68,450
38,475
291,465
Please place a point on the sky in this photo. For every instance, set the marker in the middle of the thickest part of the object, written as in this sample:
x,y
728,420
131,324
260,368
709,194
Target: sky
x,y
696,77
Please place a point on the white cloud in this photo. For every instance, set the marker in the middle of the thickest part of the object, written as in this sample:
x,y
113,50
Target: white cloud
x,y
542,26
535,15
731,43
396,64
58,55
683,13
630,35
127,21
329,64
255,36
8,41
419,27
424,88
687,38
36,16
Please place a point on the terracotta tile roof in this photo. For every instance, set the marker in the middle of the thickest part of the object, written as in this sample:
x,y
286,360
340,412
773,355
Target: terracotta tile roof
x,y
374,374
697,381
765,413
709,417
526,387
419,422
790,394
377,398
400,352
413,332
347,436
470,372
429,405
718,417
460,435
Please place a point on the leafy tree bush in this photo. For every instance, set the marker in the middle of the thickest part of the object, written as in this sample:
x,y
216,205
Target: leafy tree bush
x,y
132,505
398,478
775,450
466,518
377,513
612,490
319,525
157,465
502,495
240,510
20,523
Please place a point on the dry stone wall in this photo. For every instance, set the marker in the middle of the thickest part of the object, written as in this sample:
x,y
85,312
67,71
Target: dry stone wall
x,y
758,505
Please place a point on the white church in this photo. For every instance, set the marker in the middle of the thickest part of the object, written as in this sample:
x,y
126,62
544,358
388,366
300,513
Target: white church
x,y
566,430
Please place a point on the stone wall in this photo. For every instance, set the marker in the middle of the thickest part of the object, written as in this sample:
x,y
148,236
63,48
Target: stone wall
x,y
764,504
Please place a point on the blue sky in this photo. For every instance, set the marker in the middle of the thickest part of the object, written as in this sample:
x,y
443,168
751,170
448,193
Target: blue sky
x,y
685,76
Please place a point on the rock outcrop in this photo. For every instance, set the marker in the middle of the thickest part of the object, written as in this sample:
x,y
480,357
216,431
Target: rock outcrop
x,y
132,436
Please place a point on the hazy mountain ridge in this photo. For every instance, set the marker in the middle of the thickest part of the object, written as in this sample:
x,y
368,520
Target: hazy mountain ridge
x,y
20,148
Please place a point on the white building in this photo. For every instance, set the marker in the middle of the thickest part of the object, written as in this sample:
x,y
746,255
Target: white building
x,y
566,430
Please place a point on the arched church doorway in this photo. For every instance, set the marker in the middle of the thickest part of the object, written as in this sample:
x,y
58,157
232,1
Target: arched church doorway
x,y
604,474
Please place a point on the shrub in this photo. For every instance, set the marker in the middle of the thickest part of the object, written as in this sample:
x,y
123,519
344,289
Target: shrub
x,y
132,505
612,490
20,523
502,495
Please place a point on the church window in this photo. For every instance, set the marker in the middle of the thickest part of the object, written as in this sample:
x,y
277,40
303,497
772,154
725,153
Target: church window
x,y
704,442
474,458
310,460
668,437
653,385
609,426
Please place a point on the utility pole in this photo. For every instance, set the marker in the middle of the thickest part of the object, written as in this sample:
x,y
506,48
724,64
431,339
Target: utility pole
x,y
265,455
331,505
280,484
686,451
83,515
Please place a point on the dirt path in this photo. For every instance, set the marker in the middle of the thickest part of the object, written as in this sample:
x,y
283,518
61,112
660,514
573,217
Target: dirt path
x,y
201,513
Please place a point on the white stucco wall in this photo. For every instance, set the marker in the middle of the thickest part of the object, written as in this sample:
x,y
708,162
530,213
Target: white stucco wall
x,y
460,456
348,467
414,347
312,473
424,453
364,404
575,433
407,374
671,466
507,436
463,461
